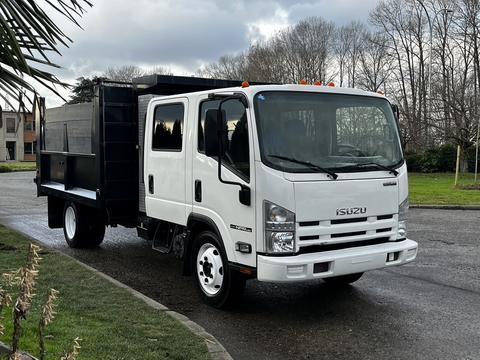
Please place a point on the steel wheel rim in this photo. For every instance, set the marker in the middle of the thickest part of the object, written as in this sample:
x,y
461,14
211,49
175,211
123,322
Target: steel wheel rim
x,y
70,222
210,269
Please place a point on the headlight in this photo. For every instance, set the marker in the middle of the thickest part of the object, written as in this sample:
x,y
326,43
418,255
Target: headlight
x,y
279,229
402,220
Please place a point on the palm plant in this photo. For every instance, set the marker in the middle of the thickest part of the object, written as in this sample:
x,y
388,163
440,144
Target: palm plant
x,y
28,36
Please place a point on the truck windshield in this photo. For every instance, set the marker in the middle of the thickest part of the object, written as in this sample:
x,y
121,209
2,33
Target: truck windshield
x,y
341,133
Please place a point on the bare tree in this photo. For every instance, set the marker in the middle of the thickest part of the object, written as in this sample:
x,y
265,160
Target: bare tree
x,y
437,91
403,23
227,67
123,73
376,62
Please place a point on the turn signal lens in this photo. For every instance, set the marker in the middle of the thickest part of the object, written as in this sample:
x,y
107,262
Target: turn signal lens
x,y
402,220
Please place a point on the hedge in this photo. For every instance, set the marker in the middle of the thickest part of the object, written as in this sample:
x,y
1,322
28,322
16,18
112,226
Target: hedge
x,y
439,159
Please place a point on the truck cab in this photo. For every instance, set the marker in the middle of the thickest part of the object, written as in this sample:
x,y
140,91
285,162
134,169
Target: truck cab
x,y
280,183
289,183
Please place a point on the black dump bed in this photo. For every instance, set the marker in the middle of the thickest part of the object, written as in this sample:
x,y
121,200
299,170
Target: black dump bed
x,y
89,153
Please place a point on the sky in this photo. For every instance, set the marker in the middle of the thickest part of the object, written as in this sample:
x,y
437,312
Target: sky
x,y
181,35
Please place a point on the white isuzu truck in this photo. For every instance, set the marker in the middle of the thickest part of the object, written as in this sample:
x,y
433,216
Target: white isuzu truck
x,y
282,183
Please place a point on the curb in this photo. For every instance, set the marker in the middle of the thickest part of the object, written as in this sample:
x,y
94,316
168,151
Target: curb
x,y
5,350
446,207
215,348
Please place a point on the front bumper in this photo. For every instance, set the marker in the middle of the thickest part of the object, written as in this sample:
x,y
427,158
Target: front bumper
x,y
339,262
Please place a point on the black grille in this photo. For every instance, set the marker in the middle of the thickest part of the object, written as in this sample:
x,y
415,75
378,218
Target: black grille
x,y
310,237
330,247
347,221
309,223
346,234
384,230
384,217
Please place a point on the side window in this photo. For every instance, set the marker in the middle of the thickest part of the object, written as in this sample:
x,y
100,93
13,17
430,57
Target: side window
x,y
168,127
204,106
237,155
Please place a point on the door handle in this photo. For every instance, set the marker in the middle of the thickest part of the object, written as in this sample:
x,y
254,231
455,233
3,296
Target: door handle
x,y
198,191
150,184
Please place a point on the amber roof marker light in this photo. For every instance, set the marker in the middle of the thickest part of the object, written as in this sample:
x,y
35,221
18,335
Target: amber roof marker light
x,y
245,84
331,84
303,82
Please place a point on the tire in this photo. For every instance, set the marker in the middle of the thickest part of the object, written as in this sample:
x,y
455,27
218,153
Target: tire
x,y
82,228
343,280
217,284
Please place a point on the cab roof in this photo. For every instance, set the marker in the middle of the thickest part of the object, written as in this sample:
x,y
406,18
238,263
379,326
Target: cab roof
x,y
251,90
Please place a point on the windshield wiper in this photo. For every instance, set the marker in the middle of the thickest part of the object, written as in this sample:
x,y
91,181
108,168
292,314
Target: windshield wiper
x,y
386,168
333,175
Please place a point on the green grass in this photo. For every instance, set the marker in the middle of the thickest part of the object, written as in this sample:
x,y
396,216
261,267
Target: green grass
x,y
439,189
17,166
111,323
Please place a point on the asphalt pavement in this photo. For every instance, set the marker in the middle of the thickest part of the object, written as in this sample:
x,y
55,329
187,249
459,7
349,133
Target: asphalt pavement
x,y
429,309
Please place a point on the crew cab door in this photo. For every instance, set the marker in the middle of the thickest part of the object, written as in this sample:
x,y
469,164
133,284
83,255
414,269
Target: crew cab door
x,y
215,200
165,160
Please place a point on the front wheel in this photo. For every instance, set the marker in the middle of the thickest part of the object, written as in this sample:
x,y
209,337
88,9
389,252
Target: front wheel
x,y
218,285
343,280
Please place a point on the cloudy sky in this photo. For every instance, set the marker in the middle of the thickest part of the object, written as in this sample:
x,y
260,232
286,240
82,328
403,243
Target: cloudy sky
x,y
183,35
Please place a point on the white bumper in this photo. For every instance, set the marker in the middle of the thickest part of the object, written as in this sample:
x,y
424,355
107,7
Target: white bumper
x,y
339,262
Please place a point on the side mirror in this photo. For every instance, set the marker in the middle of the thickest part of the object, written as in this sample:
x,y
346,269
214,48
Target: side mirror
x,y
215,131
396,112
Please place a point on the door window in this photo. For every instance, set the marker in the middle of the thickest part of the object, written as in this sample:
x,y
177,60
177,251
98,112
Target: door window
x,y
168,127
237,154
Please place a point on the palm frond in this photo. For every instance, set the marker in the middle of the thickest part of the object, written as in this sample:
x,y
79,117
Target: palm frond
x,y
27,37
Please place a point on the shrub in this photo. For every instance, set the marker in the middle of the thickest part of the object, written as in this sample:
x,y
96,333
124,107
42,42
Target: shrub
x,y
414,161
437,159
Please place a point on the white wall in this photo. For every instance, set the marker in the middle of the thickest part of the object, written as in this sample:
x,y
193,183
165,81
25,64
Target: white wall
x,y
17,137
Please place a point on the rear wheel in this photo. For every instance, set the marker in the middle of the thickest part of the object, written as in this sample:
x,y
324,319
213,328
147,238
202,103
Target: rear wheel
x,y
82,227
343,280
218,285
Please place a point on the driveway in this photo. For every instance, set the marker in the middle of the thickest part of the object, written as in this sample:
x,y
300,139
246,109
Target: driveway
x,y
429,309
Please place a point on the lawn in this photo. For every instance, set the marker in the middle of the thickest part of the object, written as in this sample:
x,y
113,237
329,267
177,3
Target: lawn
x,y
111,323
17,166
439,189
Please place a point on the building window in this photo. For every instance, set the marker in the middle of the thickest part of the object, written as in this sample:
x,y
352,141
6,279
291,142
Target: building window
x,y
10,125
29,126
168,127
30,148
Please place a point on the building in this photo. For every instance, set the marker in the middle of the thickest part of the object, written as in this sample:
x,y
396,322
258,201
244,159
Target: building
x,y
29,139
17,137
